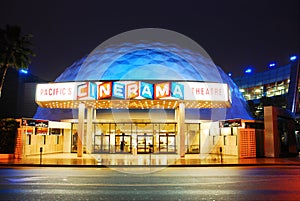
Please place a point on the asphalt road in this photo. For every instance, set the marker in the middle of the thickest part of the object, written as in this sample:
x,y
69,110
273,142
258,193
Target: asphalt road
x,y
186,183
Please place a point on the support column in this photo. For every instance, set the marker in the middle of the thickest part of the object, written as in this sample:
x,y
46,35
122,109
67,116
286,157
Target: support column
x,y
275,130
180,117
81,109
19,144
89,130
271,139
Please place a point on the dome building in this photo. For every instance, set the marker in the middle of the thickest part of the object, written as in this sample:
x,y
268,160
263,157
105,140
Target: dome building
x,y
142,90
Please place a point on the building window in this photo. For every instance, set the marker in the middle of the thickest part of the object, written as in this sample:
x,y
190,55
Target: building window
x,y
56,131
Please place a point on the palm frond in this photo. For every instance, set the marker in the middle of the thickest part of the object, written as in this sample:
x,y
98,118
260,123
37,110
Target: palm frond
x,y
15,50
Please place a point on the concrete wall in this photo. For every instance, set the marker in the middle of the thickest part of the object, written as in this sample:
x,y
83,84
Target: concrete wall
x,y
37,141
67,140
30,144
212,140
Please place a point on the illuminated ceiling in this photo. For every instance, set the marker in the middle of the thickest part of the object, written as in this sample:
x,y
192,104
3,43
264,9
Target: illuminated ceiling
x,y
133,104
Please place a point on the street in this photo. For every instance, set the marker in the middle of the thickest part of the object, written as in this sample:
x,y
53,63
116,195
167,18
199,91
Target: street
x,y
184,183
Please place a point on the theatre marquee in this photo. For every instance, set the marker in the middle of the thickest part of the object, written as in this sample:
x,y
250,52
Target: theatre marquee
x,y
133,94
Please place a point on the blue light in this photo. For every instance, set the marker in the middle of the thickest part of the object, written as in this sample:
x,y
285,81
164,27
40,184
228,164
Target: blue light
x,y
229,74
293,58
24,71
272,65
249,70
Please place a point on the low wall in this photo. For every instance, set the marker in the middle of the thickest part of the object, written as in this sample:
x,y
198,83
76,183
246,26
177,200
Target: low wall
x,y
6,156
214,145
50,144
213,138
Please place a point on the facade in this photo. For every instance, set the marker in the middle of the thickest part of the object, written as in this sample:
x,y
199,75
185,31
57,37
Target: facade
x,y
36,136
273,87
270,83
143,115
18,95
277,87
146,96
157,97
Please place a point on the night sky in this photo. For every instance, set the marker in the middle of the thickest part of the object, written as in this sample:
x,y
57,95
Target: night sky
x,y
234,33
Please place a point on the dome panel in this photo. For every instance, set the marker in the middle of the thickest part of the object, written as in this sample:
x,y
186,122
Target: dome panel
x,y
138,60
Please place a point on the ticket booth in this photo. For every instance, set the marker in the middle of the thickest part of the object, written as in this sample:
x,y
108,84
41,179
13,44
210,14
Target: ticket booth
x,y
51,136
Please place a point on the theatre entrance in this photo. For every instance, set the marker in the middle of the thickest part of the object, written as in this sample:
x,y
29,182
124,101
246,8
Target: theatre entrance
x,y
141,138
167,143
144,143
123,143
101,143
133,138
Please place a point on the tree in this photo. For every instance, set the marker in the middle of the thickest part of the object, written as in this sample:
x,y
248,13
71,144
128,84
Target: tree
x,y
8,132
15,50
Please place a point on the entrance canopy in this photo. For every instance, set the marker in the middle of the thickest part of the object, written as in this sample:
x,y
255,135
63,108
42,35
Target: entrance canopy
x,y
133,94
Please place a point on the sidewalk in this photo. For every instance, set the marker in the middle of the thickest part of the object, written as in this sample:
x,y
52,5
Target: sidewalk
x,y
171,160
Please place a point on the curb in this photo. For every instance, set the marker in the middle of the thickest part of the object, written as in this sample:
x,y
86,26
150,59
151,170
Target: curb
x,y
151,166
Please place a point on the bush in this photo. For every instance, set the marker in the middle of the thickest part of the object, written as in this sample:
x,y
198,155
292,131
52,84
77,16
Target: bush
x,y
8,131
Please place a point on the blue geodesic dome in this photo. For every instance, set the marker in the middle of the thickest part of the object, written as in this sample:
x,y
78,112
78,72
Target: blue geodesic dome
x,y
150,61
143,61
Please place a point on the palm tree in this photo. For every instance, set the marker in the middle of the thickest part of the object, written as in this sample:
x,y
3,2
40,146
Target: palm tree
x,y
15,50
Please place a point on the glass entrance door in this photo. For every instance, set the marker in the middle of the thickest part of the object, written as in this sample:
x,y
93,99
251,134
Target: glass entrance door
x,y
102,144
74,142
192,141
131,137
167,143
123,143
144,143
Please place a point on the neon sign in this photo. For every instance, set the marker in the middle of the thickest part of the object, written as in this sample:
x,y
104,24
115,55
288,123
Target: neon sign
x,y
129,90
132,90
55,92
